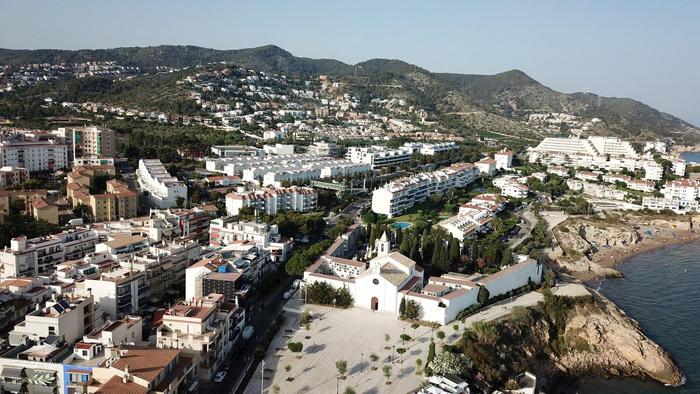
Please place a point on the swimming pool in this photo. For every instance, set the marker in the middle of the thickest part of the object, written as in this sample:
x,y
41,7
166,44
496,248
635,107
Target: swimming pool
x,y
402,225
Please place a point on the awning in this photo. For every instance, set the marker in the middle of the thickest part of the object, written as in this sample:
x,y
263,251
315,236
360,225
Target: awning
x,y
11,372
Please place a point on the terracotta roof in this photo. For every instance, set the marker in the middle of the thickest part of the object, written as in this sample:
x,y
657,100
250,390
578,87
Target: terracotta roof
x,y
145,363
115,385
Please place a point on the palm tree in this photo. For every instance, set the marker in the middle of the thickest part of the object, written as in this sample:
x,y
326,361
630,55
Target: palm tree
x,y
342,367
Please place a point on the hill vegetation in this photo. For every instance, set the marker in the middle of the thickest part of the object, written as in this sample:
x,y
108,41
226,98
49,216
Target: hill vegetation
x,y
499,102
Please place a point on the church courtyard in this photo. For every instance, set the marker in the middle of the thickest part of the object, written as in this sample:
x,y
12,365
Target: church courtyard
x,y
353,335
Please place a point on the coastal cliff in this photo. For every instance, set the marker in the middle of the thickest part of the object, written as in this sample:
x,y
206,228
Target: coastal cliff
x,y
615,346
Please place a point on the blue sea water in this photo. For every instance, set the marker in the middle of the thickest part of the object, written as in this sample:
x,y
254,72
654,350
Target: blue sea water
x,y
661,290
691,156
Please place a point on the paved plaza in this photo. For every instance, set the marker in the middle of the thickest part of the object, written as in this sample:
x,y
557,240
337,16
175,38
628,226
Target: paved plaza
x,y
352,335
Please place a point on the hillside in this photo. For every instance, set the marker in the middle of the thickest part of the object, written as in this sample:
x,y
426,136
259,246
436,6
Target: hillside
x,y
499,101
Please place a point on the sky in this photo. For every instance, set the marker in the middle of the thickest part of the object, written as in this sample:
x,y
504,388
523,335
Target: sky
x,y
645,50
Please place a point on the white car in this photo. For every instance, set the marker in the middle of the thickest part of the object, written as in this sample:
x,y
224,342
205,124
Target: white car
x,y
219,377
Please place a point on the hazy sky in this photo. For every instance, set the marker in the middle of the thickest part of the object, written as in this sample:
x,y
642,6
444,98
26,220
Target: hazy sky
x,y
646,50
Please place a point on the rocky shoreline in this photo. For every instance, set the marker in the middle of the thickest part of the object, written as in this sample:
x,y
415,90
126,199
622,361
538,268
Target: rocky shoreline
x,y
590,250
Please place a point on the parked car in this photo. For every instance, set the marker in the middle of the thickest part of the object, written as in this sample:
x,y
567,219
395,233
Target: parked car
x,y
219,377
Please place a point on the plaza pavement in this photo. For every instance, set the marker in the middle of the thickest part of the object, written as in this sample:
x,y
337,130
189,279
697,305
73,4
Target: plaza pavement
x,y
352,335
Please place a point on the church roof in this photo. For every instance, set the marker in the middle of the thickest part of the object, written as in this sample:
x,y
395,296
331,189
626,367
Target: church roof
x,y
384,238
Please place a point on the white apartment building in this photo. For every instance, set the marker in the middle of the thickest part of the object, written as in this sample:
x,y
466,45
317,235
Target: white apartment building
x,y
205,328
161,189
486,166
34,155
396,197
558,171
119,292
472,218
225,231
237,165
70,317
674,204
279,149
323,149
379,156
602,191
431,149
39,256
682,189
653,171
511,187
313,171
271,201
236,150
504,160
588,176
678,166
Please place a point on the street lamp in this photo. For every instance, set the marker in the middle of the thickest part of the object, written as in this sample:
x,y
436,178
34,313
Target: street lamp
x,y
361,356
262,377
392,354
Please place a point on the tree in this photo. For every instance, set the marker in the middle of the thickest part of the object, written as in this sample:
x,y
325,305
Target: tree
x,y
288,368
374,359
349,390
431,356
400,351
405,338
412,310
485,332
550,278
296,347
483,295
455,327
180,201
440,335
454,251
342,367
387,373
419,364
402,308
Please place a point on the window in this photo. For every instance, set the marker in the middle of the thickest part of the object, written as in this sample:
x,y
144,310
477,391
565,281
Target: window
x,y
52,330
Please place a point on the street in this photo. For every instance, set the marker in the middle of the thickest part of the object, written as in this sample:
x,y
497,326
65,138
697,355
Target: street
x,y
260,320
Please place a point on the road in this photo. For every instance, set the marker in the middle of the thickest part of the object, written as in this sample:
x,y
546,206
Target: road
x,y
352,210
261,314
525,228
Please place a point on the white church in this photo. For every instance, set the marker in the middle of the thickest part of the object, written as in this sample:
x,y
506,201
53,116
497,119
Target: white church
x,y
381,284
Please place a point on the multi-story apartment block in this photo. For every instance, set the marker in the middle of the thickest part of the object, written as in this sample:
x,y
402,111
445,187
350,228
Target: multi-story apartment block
x,y
70,318
379,156
205,328
236,150
396,197
89,141
35,156
511,187
324,149
12,176
119,202
486,166
225,231
682,189
271,201
504,160
653,171
119,292
179,224
39,256
161,189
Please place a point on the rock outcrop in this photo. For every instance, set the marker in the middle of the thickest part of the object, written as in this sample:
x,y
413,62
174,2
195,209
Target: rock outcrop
x,y
611,344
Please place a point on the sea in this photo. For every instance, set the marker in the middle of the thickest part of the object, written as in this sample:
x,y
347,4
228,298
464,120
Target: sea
x,y
691,156
661,291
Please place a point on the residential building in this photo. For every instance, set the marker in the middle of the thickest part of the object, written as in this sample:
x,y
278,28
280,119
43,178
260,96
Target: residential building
x,y
271,201
69,318
379,156
653,171
396,197
89,142
324,149
13,176
511,187
35,156
674,204
236,150
159,187
119,202
682,189
279,149
486,166
119,292
504,160
225,231
43,210
205,328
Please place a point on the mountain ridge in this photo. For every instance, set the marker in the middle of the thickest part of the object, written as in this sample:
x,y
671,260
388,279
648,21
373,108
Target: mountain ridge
x,y
510,94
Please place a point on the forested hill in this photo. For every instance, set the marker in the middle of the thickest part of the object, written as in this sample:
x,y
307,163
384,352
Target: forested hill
x,y
509,95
